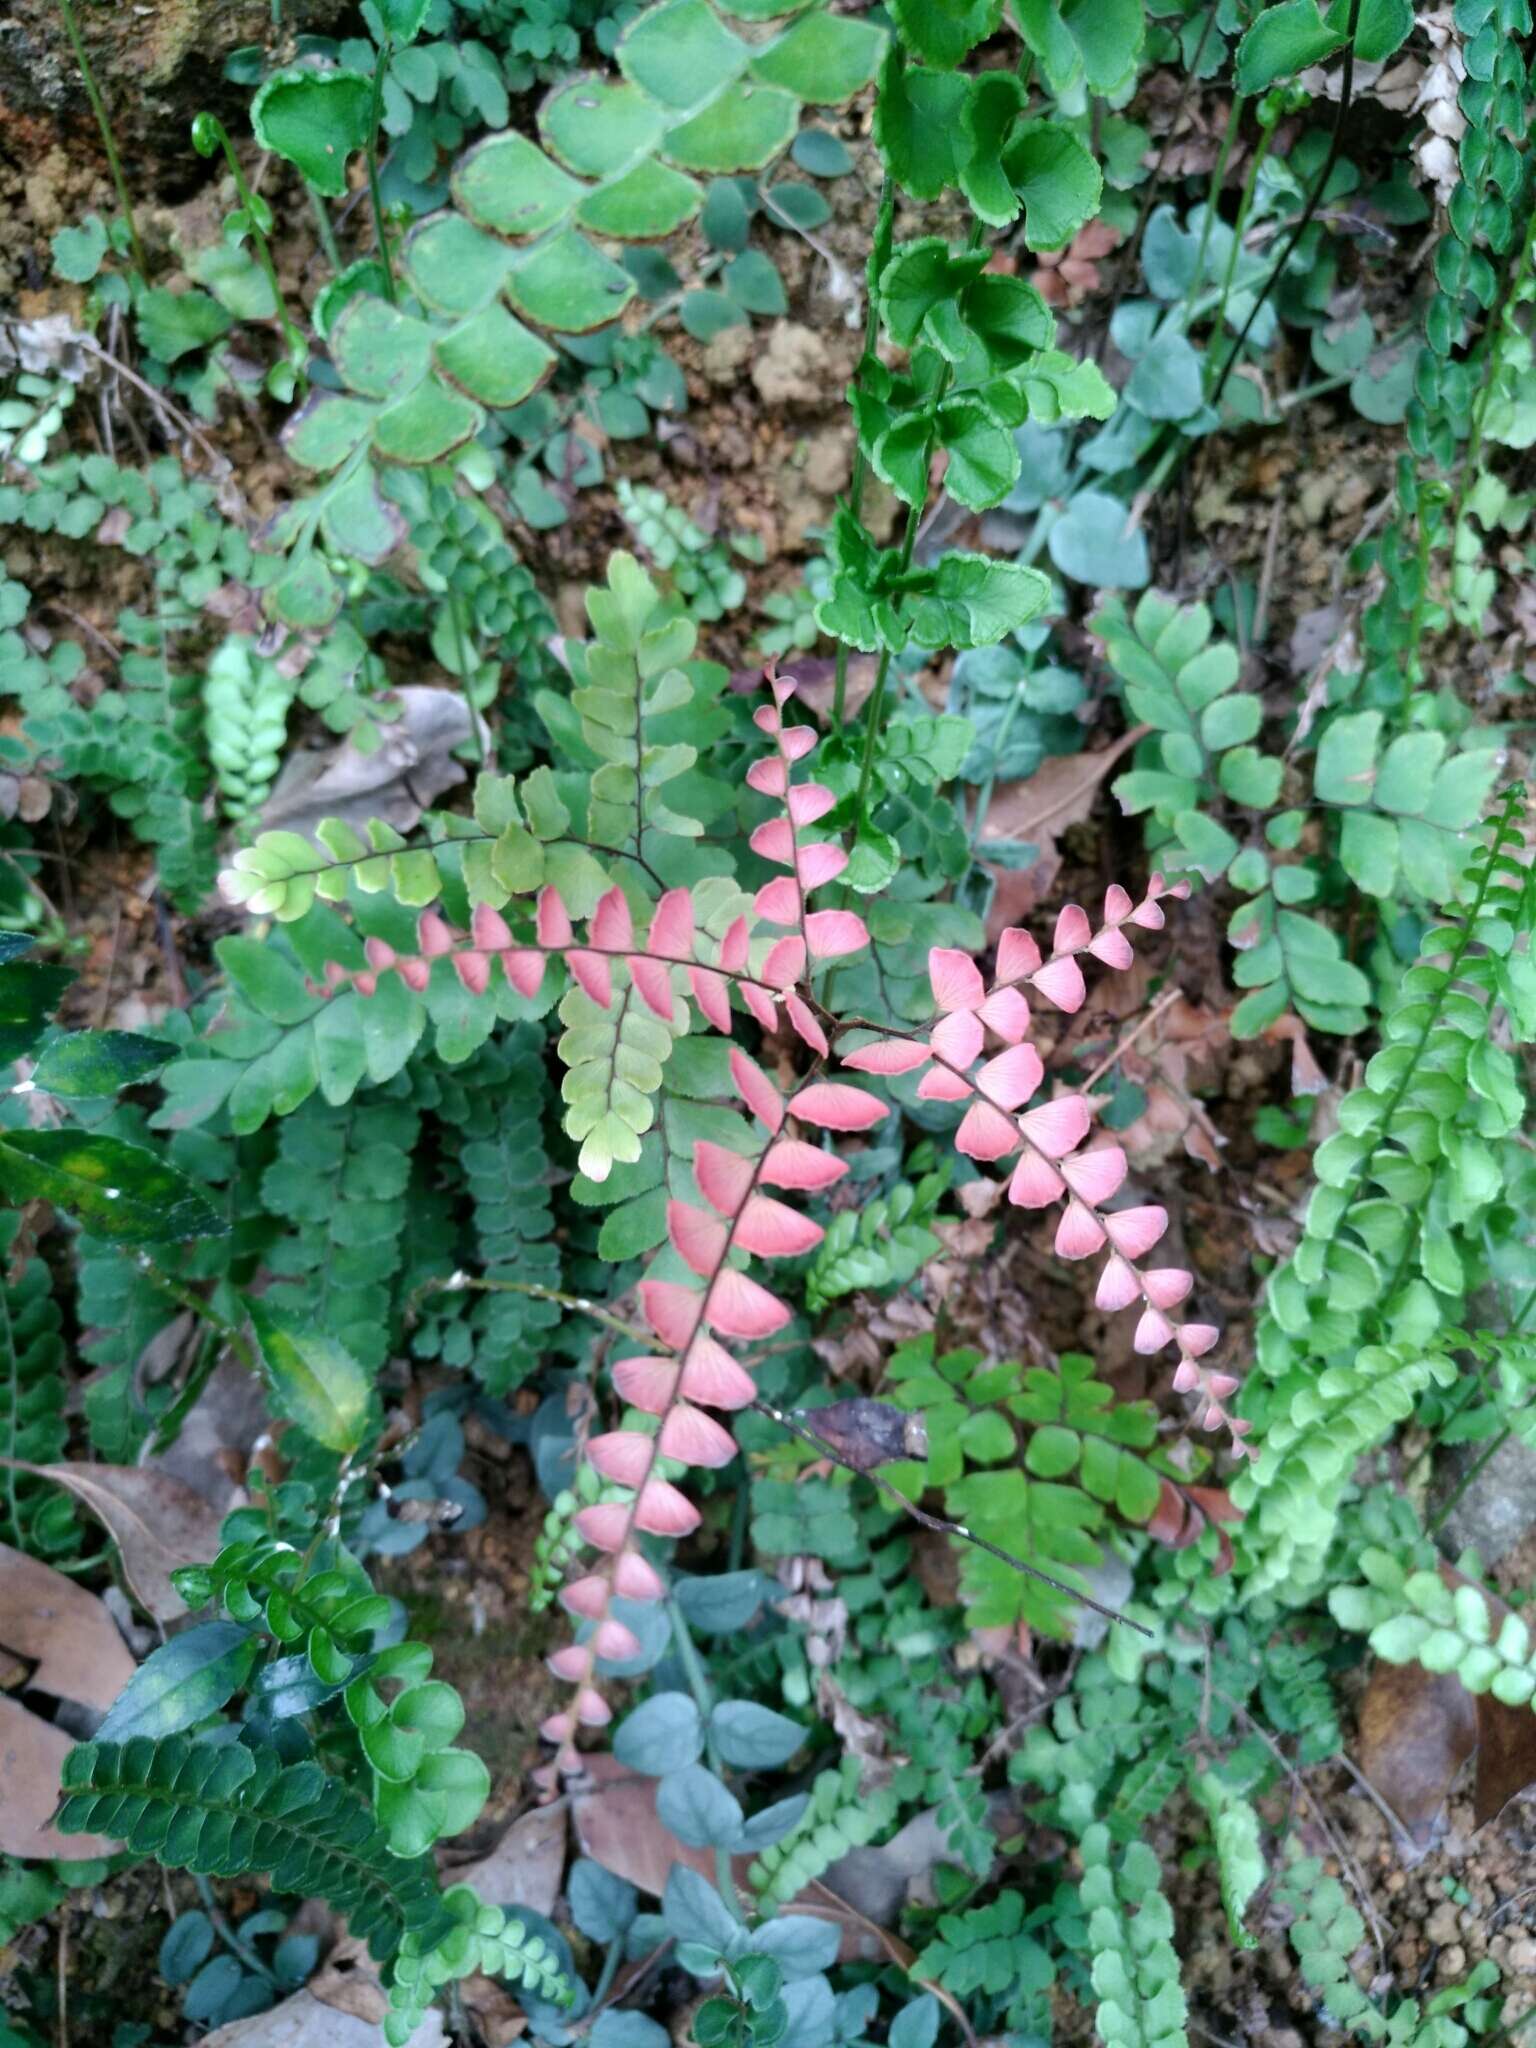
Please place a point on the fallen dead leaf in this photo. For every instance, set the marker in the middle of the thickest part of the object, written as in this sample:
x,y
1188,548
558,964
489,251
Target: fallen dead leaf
x,y
156,1522
527,1864
32,1753
412,765
65,1631
614,1814
1059,793
1418,1727
304,2021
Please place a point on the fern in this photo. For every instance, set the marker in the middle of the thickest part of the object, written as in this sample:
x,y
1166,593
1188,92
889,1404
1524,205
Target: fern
x,y
33,1515
1130,1931
985,1951
940,1771
246,699
840,1815
496,1104
884,1243
1415,1617
1325,1933
340,1181
230,1810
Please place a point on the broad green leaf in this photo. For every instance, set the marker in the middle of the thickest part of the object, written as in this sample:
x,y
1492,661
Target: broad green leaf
x,y
922,278
598,126
30,992
943,32
918,125
1057,180
315,120
741,130
173,324
508,184
679,53
824,58
326,429
494,358
120,1192
1346,758
567,285
315,1381
1283,41
652,200
380,351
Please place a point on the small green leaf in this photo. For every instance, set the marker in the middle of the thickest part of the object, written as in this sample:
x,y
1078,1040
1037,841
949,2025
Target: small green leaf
x,y
1283,41
78,252
1056,178
315,1381
30,991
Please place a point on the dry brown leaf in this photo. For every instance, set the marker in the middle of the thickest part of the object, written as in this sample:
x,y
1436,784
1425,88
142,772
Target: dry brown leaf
x,y
1059,793
1418,1727
613,1810
527,1864
32,1753
304,2021
156,1522
66,1632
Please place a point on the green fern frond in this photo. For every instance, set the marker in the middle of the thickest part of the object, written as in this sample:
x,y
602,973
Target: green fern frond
x,y
841,1816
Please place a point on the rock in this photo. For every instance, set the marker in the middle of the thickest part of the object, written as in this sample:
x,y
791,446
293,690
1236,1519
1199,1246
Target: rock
x,y
795,368
727,354
156,67
1499,1504
829,460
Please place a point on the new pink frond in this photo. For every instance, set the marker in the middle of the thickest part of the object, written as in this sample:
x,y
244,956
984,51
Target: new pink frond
x,y
986,1133
820,863
1113,948
734,946
785,963
622,1455
592,1710
1061,982
756,1090
940,1085
1198,1338
671,1309
1153,1331
489,929
1186,1376
433,936
605,1526
887,1056
1079,1234
592,973
416,974
613,1639
770,776
772,1230
796,741
832,934
1118,1285
694,1438
552,924
715,1378
379,954
804,1021
723,1176
837,1106
1095,1175
1006,1013
809,801
671,934
1058,1127
587,1597
779,900
612,927
1133,1232
1011,1078
806,1169
739,1307
571,1662
774,841
474,971
698,1238
634,1579
760,1005
1117,904
662,1511
1073,931
653,978
647,1383
955,979
711,992
558,1727
524,970
957,1038
1017,955
1167,1286
1035,1184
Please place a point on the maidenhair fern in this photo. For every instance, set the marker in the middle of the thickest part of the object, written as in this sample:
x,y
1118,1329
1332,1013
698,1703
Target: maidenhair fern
x,y
840,1815
246,698
1135,1970
1415,1617
33,1516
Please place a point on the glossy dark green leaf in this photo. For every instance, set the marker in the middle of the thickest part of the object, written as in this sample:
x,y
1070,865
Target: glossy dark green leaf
x,y
315,1381
120,1192
30,992
184,1681
99,1062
